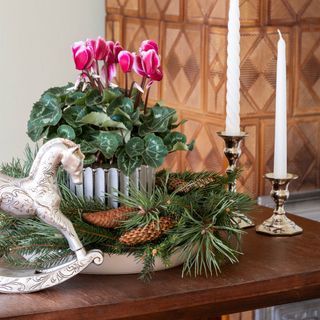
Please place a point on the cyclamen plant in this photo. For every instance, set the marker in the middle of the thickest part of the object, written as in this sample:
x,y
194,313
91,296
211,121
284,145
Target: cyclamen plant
x,y
146,64
113,125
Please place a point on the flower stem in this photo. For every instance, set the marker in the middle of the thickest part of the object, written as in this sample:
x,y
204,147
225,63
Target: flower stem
x,y
126,88
131,88
100,85
138,97
91,80
106,68
97,66
146,101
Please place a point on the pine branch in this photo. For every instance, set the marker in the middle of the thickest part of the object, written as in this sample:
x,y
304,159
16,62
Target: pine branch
x,y
150,207
148,266
205,229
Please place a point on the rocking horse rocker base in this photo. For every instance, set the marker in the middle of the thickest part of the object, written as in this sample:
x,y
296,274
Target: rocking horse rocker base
x,y
38,195
22,282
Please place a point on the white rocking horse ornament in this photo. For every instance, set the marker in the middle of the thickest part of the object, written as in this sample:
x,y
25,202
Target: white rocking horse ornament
x,y
39,195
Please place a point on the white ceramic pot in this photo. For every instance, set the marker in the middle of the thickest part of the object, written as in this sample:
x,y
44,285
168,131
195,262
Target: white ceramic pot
x,y
124,264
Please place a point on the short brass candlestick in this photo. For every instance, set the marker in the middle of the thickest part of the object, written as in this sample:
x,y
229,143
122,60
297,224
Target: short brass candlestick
x,y
279,224
233,152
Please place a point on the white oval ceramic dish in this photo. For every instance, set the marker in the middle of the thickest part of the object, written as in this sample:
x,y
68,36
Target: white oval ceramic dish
x,y
124,264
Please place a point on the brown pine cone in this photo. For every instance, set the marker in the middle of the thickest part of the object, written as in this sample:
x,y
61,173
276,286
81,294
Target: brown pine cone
x,y
150,232
198,184
187,186
109,218
175,183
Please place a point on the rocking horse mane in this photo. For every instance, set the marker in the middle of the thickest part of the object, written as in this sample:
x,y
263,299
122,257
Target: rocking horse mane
x,y
43,149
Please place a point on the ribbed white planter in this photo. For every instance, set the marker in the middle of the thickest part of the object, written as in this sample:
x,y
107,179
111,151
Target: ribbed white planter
x,y
97,183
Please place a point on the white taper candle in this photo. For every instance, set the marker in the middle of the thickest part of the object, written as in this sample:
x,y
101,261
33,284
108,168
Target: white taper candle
x,y
233,70
280,140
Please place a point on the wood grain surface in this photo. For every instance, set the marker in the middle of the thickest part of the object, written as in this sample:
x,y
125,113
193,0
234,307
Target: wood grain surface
x,y
273,270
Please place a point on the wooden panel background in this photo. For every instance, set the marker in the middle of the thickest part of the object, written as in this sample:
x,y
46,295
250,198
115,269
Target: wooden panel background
x,y
192,36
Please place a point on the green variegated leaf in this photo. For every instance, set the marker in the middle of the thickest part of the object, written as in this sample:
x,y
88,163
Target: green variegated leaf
x,y
155,150
127,105
128,164
89,159
45,113
109,95
101,120
179,146
93,97
107,142
124,133
75,98
172,138
113,105
97,108
87,147
182,146
73,114
123,103
157,120
134,147
135,118
176,125
77,131
120,116
58,91
50,133
120,112
67,132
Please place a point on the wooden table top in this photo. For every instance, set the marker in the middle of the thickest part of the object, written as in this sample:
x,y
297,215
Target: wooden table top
x,y
273,270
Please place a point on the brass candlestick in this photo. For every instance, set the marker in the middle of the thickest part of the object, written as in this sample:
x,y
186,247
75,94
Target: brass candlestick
x,y
279,224
233,152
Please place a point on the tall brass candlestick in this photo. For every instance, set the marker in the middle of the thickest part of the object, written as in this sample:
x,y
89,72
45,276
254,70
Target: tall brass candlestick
x,y
233,152
279,224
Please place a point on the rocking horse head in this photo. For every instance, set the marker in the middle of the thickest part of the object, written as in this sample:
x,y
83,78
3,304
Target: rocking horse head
x,y
57,152
72,162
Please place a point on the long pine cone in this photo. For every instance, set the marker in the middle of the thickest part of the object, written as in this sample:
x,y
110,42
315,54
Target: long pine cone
x,y
176,183
150,232
198,184
187,186
109,218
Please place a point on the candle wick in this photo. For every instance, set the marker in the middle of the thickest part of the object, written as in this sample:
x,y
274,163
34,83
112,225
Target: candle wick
x,y
280,35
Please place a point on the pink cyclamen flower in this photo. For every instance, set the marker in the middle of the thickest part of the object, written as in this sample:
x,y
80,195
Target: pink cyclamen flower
x,y
147,64
150,61
125,59
113,50
83,55
116,50
109,54
108,72
138,66
76,46
91,43
147,45
99,47
157,75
